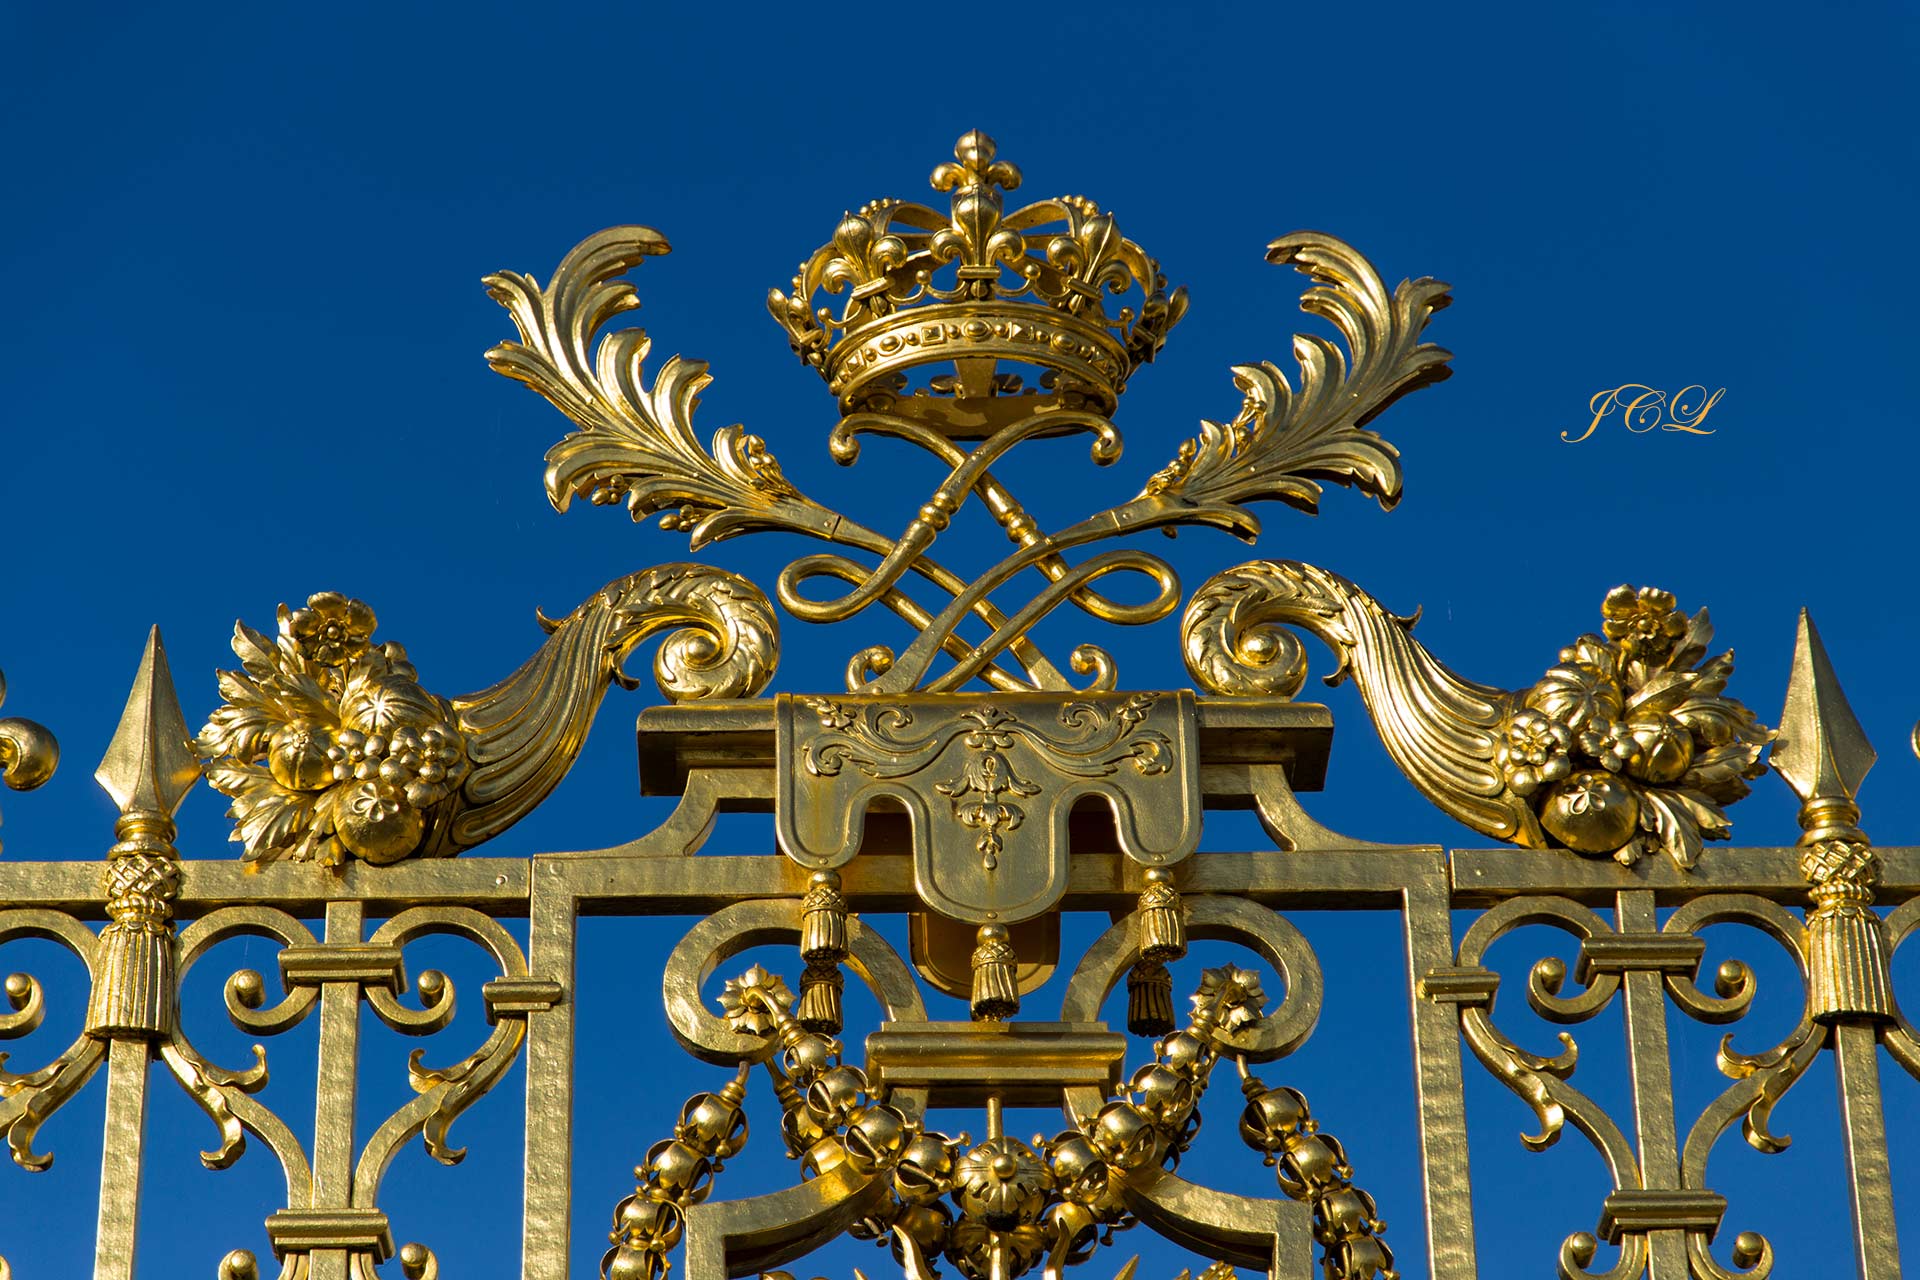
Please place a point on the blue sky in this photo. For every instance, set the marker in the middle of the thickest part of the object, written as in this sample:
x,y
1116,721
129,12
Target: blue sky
x,y
243,343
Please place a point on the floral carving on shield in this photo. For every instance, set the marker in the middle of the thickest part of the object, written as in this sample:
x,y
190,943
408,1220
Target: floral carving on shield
x,y
987,782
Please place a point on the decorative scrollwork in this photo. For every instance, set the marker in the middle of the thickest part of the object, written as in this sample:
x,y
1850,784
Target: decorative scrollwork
x,y
1760,1079
1901,1038
527,730
741,926
330,748
635,442
226,1095
877,669
29,1099
1627,747
1272,937
1541,1082
444,1092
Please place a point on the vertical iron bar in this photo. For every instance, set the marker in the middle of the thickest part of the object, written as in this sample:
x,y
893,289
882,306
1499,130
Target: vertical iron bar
x,y
337,1081
120,1157
1651,1069
548,1177
1437,1077
1856,1054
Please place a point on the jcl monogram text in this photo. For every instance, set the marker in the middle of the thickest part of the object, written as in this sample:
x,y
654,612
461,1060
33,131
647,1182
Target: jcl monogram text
x,y
1642,408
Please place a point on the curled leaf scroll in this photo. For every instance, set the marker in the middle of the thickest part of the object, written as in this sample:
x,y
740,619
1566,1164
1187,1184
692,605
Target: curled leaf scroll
x,y
635,443
1627,746
330,748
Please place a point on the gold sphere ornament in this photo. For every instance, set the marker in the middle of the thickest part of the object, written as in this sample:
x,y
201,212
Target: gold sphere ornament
x,y
1591,812
925,1171
876,1137
1663,750
378,824
297,754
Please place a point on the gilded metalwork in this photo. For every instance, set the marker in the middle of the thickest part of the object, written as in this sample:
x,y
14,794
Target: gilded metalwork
x,y
148,770
973,287
968,771
967,785
330,748
1010,299
1626,747
1824,757
1662,1214
29,753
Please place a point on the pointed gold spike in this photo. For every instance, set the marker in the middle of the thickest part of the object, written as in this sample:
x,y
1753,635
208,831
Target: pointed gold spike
x,y
150,765
1824,755
1822,751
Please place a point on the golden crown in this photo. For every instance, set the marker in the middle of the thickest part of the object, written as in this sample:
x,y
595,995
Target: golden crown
x,y
973,288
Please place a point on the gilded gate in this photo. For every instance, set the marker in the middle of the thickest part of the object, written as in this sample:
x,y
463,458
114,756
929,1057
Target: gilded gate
x,y
981,791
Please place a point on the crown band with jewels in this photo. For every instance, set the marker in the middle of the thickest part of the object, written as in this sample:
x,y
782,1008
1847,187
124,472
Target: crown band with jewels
x,y
1024,287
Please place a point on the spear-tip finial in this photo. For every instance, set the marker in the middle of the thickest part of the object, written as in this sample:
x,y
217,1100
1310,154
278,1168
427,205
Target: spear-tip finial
x,y
150,765
1822,751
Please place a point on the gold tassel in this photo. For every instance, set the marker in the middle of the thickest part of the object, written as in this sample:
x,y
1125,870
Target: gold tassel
x,y
823,945
1149,999
1163,929
996,993
134,995
819,1010
1163,937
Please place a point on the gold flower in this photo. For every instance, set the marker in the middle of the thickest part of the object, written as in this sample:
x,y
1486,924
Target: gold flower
x,y
1644,623
331,630
1233,993
750,1001
1535,749
1003,1182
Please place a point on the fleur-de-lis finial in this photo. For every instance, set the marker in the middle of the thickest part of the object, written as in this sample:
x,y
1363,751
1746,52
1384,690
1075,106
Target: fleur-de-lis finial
x,y
973,165
1822,751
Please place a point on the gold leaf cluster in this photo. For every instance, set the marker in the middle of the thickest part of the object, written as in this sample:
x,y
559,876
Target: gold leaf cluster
x,y
326,743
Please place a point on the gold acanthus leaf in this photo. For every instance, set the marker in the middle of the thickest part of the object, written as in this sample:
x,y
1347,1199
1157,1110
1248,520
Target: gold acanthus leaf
x,y
1282,443
635,441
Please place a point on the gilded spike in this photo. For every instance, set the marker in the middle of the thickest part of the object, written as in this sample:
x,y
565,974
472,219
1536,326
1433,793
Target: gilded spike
x,y
150,765
1822,752
148,770
1824,755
